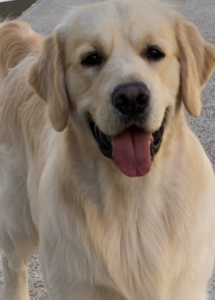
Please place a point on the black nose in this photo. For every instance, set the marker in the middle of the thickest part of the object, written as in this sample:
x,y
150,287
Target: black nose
x,y
131,98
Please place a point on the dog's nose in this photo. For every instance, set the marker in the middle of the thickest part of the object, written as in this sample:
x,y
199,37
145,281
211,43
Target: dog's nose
x,y
131,98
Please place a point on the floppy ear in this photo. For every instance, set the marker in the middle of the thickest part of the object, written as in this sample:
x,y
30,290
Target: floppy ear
x,y
46,76
197,59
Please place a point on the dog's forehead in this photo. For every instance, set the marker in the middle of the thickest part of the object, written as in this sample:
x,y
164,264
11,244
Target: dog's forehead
x,y
136,19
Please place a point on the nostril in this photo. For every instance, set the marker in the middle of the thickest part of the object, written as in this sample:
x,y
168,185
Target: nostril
x,y
123,104
143,99
123,99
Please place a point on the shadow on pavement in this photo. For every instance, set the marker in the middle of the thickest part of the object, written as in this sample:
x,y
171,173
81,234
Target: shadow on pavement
x,y
13,9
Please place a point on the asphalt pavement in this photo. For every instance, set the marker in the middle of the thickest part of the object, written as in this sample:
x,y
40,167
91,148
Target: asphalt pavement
x,y
46,14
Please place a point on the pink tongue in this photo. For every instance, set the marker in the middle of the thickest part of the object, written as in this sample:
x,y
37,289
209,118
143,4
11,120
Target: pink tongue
x,y
131,152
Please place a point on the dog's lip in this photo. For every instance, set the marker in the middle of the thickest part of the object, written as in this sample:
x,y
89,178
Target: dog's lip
x,y
105,141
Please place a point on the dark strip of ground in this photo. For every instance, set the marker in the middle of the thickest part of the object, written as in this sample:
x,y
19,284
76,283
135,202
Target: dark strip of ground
x,y
13,9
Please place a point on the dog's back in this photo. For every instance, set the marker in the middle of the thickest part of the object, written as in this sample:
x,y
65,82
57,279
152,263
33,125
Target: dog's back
x,y
17,40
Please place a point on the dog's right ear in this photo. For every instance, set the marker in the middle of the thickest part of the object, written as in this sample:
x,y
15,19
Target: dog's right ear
x,y
197,59
47,78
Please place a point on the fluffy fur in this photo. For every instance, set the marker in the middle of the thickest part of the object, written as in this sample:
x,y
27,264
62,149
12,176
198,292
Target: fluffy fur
x,y
103,235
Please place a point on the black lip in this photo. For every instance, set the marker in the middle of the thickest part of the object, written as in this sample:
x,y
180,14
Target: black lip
x,y
105,145
104,141
157,139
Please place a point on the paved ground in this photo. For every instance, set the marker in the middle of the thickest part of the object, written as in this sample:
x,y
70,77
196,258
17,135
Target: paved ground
x,y
47,13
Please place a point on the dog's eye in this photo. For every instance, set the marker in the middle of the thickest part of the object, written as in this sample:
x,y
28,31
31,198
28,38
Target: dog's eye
x,y
154,54
92,60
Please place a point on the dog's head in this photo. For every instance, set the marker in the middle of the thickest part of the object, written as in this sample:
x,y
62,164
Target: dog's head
x,y
120,68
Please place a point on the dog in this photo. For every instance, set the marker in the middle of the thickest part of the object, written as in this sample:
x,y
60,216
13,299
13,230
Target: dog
x,y
97,161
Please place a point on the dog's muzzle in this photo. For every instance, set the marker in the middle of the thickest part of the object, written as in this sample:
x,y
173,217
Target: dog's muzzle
x,y
133,149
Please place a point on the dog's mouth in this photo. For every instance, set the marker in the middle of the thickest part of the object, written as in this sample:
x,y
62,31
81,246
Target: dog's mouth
x,y
132,150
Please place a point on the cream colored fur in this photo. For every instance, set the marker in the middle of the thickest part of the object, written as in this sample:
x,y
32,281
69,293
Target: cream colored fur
x,y
103,235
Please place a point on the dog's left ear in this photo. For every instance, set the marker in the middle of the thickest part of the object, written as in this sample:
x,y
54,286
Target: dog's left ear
x,y
197,59
47,77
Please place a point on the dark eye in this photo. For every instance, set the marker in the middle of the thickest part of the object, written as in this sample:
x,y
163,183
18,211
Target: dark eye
x,y
92,60
154,54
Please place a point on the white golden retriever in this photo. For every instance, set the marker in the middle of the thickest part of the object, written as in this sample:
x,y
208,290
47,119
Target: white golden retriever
x,y
97,160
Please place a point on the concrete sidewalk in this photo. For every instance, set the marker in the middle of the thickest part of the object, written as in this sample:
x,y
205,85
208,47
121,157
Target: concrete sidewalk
x,y
46,14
